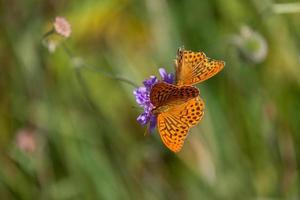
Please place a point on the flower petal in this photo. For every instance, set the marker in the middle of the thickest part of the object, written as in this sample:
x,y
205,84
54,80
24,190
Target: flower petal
x,y
62,27
162,72
169,78
141,95
143,118
148,83
152,123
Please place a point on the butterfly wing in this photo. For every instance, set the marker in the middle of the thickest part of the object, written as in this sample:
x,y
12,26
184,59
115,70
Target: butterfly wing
x,y
195,67
192,111
172,131
163,93
173,125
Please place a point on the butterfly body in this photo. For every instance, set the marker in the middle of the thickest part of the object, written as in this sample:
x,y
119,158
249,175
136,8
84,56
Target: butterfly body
x,y
163,93
179,107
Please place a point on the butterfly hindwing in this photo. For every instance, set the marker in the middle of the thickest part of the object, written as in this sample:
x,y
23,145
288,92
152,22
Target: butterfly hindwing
x,y
173,125
172,131
192,111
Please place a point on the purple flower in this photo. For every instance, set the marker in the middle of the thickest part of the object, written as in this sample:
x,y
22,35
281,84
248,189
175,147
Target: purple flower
x,y
169,78
142,97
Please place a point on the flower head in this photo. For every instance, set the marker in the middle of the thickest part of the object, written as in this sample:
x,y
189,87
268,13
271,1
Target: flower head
x,y
26,140
251,44
62,27
142,97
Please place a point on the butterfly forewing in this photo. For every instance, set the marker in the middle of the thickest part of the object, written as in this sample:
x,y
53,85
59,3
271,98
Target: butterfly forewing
x,y
163,94
195,67
173,125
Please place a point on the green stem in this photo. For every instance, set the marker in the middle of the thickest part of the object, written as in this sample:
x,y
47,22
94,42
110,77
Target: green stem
x,y
52,31
97,69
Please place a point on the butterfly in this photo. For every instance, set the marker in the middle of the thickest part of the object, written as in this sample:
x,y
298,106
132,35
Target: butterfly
x,y
179,107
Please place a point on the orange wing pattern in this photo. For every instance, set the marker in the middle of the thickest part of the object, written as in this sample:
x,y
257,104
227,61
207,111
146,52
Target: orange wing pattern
x,y
173,125
164,93
195,67
179,107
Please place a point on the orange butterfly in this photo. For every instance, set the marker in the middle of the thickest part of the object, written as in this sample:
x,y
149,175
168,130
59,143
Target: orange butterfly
x,y
179,107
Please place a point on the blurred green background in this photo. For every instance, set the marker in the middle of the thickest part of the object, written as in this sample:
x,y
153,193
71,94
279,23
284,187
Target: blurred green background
x,y
68,126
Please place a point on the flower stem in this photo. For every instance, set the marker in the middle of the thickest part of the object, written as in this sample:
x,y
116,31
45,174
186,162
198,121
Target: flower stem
x,y
52,31
97,69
